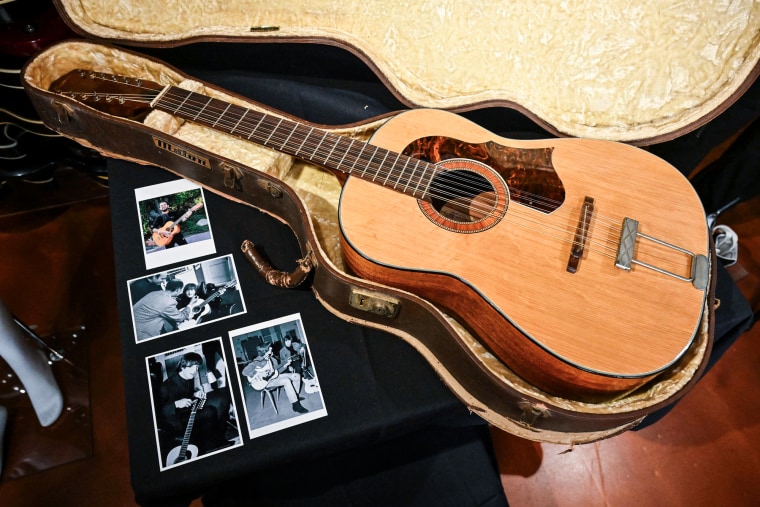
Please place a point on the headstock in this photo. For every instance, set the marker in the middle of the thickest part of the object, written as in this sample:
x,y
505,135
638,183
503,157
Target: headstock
x,y
121,96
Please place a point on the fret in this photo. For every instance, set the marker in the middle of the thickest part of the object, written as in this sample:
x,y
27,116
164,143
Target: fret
x,y
221,115
311,129
316,150
369,162
406,187
417,186
409,178
271,133
245,111
359,159
203,108
385,183
295,127
331,150
345,152
395,162
254,129
400,175
382,162
187,96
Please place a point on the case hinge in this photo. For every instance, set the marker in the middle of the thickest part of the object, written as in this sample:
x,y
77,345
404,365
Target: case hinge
x,y
233,176
271,188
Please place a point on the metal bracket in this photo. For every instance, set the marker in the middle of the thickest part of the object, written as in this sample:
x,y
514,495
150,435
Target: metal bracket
x,y
374,302
272,189
700,265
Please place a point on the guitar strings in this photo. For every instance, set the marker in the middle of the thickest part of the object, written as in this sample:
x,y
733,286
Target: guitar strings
x,y
443,189
445,192
196,110
206,114
608,248
202,110
273,124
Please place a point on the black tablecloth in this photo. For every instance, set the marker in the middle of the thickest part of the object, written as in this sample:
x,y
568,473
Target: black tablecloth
x,y
376,388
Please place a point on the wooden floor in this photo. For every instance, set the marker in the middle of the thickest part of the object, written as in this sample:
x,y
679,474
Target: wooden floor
x,y
57,272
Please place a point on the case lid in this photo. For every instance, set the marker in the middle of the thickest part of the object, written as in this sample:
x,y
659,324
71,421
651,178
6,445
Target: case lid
x,y
618,70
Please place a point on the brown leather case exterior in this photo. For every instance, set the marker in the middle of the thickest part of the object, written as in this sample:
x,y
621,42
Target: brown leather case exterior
x,y
489,390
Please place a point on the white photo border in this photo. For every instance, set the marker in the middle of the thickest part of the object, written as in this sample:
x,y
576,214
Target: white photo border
x,y
158,258
174,272
284,421
234,418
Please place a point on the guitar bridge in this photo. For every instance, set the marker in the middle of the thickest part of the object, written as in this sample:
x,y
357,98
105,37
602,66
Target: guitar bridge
x,y
699,264
581,235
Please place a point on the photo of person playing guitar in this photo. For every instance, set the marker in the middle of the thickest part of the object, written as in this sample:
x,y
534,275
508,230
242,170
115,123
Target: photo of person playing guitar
x,y
165,226
265,371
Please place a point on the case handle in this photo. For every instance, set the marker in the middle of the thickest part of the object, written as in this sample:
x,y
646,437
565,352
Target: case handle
x,y
274,276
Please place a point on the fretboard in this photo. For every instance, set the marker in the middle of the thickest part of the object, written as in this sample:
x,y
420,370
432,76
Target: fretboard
x,y
393,170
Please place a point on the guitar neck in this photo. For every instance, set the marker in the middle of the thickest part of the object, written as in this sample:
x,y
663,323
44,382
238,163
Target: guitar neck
x,y
393,170
188,431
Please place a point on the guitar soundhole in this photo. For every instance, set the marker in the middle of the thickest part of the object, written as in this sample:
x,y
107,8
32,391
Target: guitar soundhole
x,y
462,196
465,196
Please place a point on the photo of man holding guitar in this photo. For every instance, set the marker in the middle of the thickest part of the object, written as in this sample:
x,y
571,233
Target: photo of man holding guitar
x,y
165,227
265,371
193,416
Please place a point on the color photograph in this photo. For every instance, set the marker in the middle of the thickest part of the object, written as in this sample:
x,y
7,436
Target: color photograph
x,y
174,223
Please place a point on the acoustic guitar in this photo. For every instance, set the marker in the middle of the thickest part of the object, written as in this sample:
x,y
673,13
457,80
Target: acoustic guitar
x,y
165,234
199,308
186,451
268,372
581,264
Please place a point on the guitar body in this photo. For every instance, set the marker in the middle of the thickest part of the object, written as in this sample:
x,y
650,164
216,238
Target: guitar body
x,y
262,378
598,330
199,308
195,319
165,234
177,455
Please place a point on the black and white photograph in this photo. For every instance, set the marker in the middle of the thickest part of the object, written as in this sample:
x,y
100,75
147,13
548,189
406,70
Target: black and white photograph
x,y
277,377
185,297
174,224
193,409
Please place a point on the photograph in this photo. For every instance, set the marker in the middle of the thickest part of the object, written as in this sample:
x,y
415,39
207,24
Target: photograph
x,y
276,375
174,224
194,413
185,297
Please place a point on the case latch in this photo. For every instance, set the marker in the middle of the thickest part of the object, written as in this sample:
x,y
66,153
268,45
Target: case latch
x,y
374,302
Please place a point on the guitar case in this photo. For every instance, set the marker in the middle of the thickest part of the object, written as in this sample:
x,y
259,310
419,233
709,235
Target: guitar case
x,y
602,75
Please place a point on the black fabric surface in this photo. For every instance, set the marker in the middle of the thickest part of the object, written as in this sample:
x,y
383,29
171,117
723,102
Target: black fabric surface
x,y
375,386
445,466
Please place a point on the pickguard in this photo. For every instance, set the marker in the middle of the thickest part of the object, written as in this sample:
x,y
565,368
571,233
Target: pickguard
x,y
529,173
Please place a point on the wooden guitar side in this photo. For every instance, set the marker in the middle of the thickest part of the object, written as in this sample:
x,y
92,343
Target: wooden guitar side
x,y
599,330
